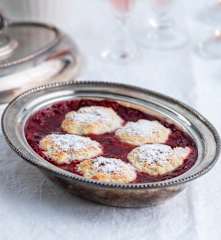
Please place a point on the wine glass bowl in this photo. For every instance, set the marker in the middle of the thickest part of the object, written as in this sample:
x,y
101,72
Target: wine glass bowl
x,y
162,32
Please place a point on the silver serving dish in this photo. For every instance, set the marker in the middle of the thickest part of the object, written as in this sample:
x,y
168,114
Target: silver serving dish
x,y
32,54
124,195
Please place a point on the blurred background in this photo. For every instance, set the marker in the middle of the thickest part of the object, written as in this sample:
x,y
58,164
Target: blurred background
x,y
93,26
185,65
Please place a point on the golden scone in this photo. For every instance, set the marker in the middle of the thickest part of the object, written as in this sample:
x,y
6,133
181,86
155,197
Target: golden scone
x,y
107,170
91,120
143,131
65,148
157,159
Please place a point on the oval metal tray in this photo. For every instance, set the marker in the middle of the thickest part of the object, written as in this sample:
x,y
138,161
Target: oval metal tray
x,y
127,195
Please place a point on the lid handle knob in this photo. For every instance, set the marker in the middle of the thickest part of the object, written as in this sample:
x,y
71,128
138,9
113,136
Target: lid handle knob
x,y
7,45
3,21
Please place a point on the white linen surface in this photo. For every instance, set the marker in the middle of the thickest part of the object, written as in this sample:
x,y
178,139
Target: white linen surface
x,y
31,207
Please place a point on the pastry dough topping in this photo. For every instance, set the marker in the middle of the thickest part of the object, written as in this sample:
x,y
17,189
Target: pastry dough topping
x,y
143,131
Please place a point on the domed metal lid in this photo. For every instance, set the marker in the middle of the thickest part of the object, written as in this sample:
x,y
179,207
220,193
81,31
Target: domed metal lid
x,y
32,54
23,41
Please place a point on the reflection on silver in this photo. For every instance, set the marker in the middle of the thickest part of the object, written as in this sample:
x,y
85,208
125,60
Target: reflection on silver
x,y
127,195
32,54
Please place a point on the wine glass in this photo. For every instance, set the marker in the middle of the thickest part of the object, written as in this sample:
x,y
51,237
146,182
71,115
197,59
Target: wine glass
x,y
211,14
210,47
122,47
162,32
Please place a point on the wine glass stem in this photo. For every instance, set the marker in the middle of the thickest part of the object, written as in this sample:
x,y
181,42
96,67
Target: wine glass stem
x,y
162,20
124,41
122,24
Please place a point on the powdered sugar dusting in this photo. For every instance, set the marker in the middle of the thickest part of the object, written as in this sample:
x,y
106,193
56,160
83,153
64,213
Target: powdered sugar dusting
x,y
154,153
110,165
140,128
91,114
85,117
66,142
182,152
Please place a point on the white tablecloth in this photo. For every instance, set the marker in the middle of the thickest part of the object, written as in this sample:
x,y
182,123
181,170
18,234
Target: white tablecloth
x,y
31,207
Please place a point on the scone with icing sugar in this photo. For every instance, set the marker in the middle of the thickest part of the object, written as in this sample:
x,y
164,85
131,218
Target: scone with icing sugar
x,y
157,159
143,131
91,120
107,170
65,148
